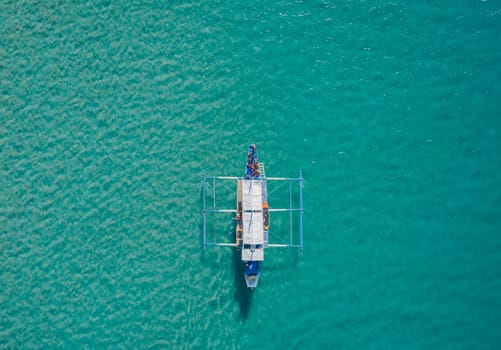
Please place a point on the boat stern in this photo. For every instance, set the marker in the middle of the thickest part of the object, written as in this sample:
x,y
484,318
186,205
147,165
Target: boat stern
x,y
251,274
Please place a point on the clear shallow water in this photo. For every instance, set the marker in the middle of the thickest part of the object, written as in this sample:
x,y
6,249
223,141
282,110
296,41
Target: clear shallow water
x,y
110,112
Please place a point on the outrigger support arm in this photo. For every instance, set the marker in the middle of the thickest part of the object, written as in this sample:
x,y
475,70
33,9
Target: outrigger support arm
x,y
220,244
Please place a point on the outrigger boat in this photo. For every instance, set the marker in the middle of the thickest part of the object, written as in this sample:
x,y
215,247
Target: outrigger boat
x,y
252,215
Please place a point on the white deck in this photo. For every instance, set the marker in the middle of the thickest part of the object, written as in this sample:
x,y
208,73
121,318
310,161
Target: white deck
x,y
252,220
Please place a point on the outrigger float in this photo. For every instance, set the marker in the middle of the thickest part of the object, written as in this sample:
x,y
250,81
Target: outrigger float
x,y
252,214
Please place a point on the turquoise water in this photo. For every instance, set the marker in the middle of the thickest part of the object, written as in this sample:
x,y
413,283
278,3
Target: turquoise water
x,y
111,111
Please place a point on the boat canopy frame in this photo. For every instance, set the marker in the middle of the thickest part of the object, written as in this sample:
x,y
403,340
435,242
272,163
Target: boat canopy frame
x,y
294,242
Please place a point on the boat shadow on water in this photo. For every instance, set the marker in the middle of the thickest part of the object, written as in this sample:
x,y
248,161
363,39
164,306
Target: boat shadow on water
x,y
242,294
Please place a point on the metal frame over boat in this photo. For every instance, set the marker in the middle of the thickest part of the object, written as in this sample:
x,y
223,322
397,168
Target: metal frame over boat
x,y
252,214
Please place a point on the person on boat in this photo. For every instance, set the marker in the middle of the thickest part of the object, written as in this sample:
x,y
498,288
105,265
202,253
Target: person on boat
x,y
255,170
